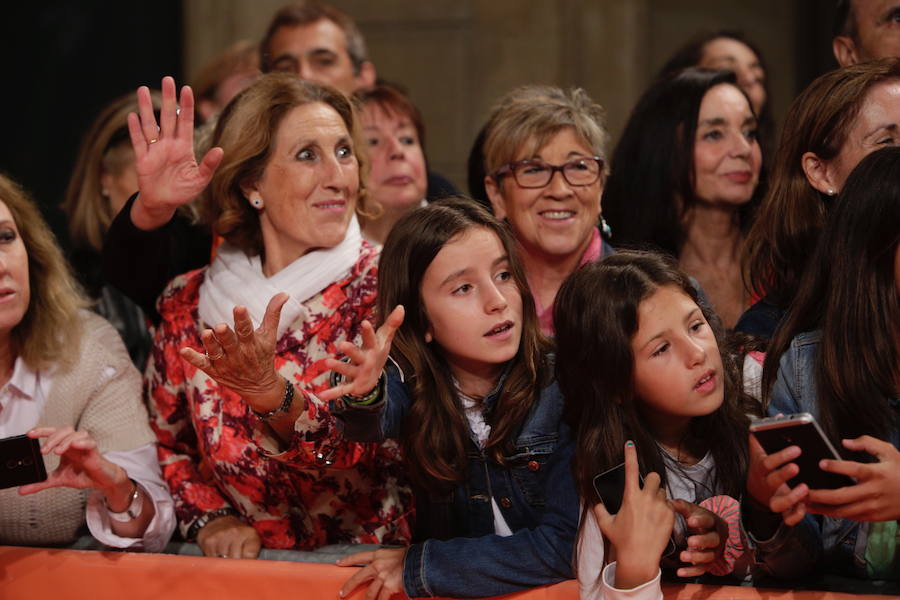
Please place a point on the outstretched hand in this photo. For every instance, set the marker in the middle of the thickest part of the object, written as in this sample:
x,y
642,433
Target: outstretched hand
x,y
876,495
366,363
641,529
167,171
80,464
243,359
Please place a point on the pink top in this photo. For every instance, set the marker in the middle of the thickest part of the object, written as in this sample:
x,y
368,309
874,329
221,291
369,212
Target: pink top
x,y
591,254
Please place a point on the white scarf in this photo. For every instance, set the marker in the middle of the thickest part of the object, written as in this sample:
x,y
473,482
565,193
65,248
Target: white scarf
x,y
235,279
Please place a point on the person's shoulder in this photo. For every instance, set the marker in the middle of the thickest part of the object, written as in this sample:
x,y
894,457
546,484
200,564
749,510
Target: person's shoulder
x,y
369,254
807,339
182,293
100,343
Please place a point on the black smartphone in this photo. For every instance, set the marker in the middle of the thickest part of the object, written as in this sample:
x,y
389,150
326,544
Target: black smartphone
x,y
610,487
777,433
21,461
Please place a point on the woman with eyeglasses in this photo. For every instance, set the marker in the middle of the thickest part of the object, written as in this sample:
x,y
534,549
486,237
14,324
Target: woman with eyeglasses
x,y
544,153
684,174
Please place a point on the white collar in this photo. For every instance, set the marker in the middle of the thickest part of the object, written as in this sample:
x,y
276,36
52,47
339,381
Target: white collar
x,y
235,279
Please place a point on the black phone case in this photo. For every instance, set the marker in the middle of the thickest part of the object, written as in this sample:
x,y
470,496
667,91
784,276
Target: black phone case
x,y
21,461
813,449
610,487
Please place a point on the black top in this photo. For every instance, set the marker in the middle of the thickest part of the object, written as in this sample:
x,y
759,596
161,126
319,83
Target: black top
x,y
140,263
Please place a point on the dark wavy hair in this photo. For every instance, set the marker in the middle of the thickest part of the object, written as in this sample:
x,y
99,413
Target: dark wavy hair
x,y
436,433
596,317
652,165
849,292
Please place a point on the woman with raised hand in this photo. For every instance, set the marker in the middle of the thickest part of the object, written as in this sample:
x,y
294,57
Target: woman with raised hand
x,y
250,454
68,381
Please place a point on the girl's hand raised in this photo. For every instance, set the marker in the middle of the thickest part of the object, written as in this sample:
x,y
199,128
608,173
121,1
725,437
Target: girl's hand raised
x,y
708,534
876,495
168,174
361,374
641,529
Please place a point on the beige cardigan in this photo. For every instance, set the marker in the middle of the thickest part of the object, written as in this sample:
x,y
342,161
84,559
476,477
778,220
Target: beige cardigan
x,y
109,407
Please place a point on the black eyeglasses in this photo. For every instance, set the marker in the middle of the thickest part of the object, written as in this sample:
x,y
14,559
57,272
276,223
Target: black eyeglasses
x,y
537,174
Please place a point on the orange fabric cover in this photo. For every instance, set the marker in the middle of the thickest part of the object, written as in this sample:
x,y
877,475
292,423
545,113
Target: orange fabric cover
x,y
41,573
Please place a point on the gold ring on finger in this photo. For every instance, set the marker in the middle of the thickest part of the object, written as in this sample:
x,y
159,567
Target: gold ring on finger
x,y
153,141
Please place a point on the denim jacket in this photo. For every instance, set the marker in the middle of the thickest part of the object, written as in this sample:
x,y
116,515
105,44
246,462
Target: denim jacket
x,y
535,491
838,544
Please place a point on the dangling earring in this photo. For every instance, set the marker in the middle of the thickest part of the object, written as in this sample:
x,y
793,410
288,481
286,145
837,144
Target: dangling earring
x,y
605,229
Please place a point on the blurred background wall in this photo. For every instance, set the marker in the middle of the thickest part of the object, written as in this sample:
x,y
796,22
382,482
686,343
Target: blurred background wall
x,y
454,56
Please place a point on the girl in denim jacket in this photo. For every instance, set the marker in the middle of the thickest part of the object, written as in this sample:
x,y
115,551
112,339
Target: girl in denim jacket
x,y
638,358
837,356
470,394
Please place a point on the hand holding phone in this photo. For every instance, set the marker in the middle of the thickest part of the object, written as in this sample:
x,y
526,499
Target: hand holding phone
x,y
641,527
21,462
775,434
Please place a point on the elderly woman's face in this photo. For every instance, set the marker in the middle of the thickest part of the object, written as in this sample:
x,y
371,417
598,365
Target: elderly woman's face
x,y
876,125
309,186
397,179
15,292
556,220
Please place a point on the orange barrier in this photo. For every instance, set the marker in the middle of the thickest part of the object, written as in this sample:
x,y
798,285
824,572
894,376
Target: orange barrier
x,y
48,574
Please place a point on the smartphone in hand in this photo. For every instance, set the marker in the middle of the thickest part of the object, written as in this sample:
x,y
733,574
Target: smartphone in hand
x,y
777,433
21,461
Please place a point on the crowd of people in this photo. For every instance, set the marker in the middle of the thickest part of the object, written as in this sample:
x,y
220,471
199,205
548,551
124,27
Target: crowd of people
x,y
338,347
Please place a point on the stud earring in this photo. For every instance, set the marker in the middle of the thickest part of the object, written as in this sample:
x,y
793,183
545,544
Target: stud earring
x,y
256,201
830,192
605,229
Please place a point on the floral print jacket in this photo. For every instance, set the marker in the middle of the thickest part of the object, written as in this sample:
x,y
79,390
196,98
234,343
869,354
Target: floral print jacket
x,y
318,489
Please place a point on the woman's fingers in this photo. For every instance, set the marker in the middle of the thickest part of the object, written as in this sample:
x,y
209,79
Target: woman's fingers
x,y
375,587
185,116
227,339
369,339
149,128
138,143
850,468
794,514
877,448
251,547
195,358
391,325
779,477
210,163
272,316
214,350
55,438
782,502
773,461
632,471
167,116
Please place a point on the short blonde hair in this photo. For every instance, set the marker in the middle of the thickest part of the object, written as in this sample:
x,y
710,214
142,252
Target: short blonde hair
x,y
246,132
105,148
525,119
50,331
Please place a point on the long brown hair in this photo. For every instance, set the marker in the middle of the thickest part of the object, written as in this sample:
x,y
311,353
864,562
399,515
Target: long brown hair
x,y
436,432
596,316
50,332
850,293
789,221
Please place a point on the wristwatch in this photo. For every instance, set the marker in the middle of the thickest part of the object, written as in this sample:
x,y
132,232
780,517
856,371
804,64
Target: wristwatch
x,y
135,507
204,519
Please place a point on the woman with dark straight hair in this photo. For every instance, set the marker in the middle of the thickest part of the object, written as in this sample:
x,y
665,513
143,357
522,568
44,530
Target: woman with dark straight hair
x,y
836,356
683,176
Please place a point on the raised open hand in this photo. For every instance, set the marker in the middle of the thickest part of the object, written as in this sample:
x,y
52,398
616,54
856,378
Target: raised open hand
x,y
362,373
167,171
243,359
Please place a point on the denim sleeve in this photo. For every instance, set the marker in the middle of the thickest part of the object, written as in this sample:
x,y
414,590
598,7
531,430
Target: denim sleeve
x,y
492,565
793,551
379,421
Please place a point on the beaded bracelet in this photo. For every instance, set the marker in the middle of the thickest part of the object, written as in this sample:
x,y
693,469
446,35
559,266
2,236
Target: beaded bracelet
x,y
285,403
